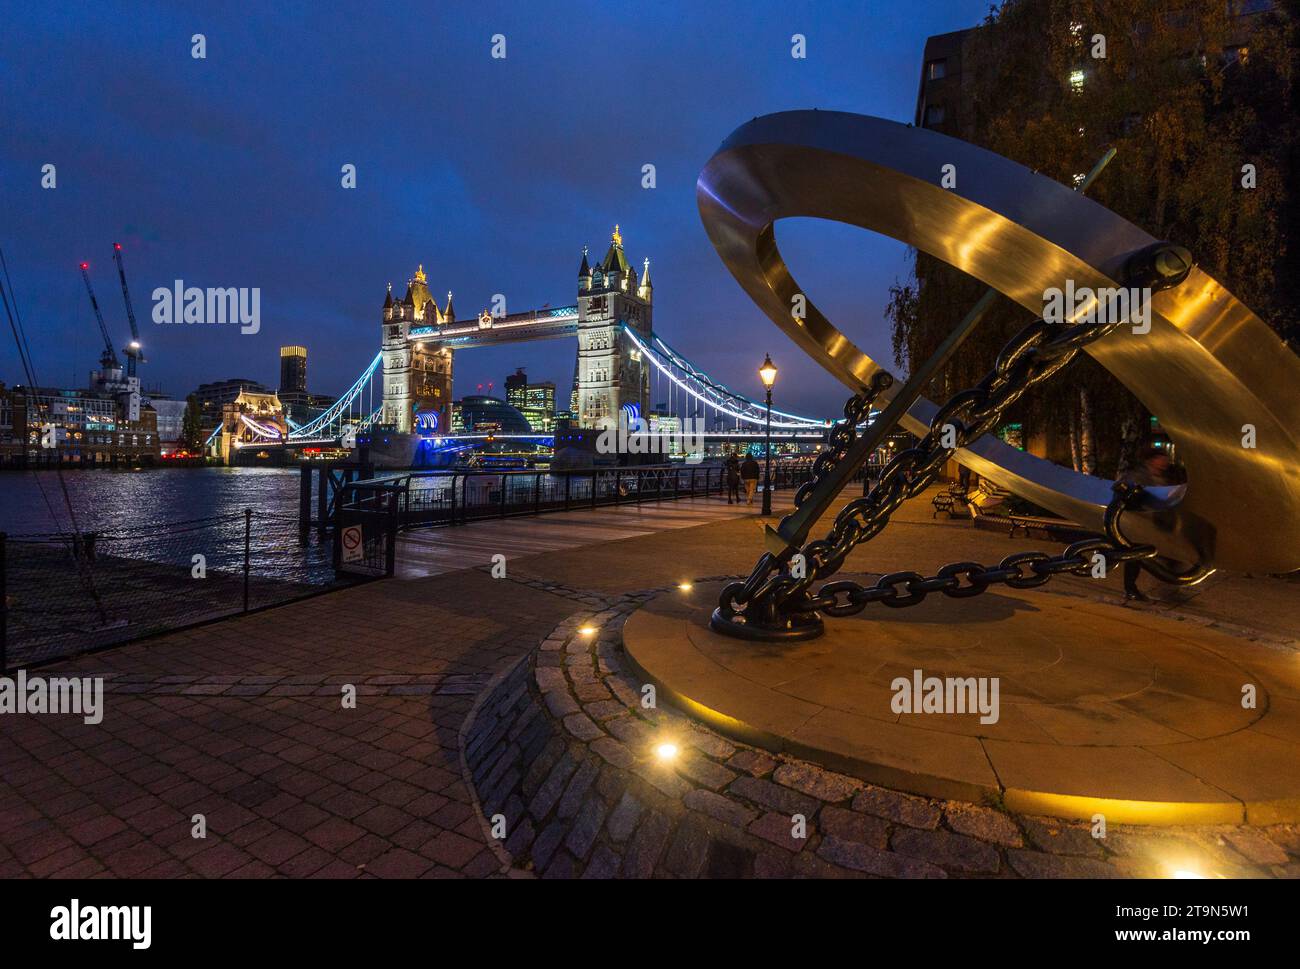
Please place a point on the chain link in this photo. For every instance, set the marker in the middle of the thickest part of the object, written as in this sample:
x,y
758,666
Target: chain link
x,y
1030,357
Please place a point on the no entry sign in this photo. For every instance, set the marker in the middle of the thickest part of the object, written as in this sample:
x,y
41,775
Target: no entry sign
x,y
351,539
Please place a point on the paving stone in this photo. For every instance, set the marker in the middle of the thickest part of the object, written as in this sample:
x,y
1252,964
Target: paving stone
x,y
646,846
1036,864
561,703
613,752
612,783
703,771
577,790
779,830
562,866
1146,844
627,692
728,861
773,864
520,837
1257,848
710,743
816,782
594,692
780,799
546,843
915,812
983,823
604,709
633,731
719,808
662,779
752,762
1285,836
887,864
548,795
451,849
951,852
689,850
854,826
585,828
582,727
604,863
1061,838
624,817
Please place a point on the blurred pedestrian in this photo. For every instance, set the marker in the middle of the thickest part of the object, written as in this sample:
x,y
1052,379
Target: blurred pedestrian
x,y
1154,469
733,480
749,475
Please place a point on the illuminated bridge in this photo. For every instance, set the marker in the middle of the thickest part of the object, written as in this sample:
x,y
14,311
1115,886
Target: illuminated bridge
x,y
622,367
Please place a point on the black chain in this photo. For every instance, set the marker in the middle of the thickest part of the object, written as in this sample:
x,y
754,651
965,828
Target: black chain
x,y
1029,358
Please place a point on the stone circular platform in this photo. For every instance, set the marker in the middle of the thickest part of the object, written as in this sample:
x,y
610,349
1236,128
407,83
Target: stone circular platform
x,y
1101,709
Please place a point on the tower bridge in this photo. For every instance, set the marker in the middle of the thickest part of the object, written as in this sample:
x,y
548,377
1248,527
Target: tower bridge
x,y
614,304
623,366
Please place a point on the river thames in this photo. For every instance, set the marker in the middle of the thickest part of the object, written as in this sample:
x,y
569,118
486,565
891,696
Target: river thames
x,y
33,502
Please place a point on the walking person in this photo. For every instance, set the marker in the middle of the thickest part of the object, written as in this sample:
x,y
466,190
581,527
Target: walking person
x,y
749,475
1153,470
733,480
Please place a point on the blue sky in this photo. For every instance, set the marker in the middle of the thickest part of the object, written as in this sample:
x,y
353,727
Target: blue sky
x,y
492,173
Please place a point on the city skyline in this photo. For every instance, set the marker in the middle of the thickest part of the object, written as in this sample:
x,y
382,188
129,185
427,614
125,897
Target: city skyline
x,y
492,193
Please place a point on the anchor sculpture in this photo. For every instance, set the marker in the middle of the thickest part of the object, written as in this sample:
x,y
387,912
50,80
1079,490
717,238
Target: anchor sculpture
x,y
1203,362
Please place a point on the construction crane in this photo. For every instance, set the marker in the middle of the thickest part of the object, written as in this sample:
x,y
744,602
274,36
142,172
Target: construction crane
x,y
107,359
133,351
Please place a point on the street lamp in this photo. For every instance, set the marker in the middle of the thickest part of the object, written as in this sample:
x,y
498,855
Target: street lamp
x,y
767,373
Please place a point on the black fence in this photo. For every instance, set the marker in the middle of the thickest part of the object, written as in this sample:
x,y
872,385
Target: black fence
x,y
63,594
434,498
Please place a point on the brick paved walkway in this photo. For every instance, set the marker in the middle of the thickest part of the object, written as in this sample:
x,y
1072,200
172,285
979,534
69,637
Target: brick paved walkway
x,y
242,721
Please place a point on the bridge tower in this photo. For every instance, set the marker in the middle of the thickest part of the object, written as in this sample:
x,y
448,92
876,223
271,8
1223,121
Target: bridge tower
x,y
417,376
611,375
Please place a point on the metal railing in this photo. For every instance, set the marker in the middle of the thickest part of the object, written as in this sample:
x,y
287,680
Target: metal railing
x,y
379,507
62,594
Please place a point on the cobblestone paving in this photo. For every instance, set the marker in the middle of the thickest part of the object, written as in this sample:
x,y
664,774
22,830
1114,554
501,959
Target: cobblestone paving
x,y
563,751
242,721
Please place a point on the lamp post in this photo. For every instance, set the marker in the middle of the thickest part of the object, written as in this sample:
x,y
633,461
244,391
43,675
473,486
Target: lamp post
x,y
767,373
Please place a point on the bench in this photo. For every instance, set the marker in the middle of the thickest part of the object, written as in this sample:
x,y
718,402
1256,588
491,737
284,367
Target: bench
x,y
946,501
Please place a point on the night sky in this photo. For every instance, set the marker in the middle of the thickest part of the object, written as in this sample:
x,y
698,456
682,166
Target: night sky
x,y
492,173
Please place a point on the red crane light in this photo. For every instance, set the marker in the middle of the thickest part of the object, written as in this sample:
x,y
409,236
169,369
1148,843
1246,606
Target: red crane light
x,y
85,265
117,245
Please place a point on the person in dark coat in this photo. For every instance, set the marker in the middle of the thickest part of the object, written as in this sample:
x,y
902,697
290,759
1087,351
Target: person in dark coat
x,y
1154,470
733,480
749,475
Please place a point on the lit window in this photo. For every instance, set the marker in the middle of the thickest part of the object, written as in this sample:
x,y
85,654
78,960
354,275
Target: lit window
x,y
1076,81
935,70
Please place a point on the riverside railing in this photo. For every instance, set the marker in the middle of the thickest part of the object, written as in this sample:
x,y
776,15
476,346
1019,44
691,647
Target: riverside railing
x,y
62,594
377,508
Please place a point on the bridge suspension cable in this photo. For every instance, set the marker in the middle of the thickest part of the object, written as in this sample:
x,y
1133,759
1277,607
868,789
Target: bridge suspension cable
x,y
701,388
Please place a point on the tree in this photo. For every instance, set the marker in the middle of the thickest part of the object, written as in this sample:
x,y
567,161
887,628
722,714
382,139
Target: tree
x,y
191,424
1188,94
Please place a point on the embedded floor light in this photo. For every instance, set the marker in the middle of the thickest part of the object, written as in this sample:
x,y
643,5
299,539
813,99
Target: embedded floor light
x,y
685,586
587,630
666,751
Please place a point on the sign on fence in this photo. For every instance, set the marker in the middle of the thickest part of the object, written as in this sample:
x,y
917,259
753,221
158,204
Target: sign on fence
x,y
351,539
